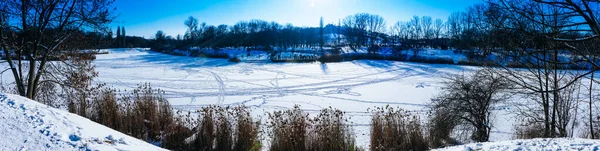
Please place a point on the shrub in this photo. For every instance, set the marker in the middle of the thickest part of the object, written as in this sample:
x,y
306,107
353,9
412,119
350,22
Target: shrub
x,y
235,59
146,108
223,128
468,99
176,134
398,57
396,130
474,55
373,49
331,58
516,65
246,134
201,53
294,130
529,130
431,60
107,109
331,132
204,136
440,128
399,49
477,63
596,129
469,63
288,129
226,129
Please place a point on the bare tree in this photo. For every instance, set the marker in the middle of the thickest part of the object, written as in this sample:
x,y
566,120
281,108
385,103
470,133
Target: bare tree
x,y
37,31
375,26
454,26
192,31
438,26
470,100
415,25
539,31
426,25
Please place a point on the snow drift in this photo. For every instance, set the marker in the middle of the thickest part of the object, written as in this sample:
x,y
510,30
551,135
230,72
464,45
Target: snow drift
x,y
28,125
531,144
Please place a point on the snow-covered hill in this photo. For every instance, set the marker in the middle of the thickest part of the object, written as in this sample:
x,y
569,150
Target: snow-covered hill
x,y
28,125
531,144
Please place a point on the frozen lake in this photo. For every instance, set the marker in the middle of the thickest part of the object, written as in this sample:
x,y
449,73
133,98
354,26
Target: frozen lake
x,y
190,83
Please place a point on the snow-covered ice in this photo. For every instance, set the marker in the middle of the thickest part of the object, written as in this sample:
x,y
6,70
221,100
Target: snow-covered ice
x,y
190,83
29,125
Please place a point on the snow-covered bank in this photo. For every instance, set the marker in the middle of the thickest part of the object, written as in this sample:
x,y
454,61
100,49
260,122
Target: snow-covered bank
x,y
531,144
28,125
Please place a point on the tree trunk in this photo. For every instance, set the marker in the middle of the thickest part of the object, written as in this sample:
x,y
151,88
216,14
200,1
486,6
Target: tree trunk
x,y
590,106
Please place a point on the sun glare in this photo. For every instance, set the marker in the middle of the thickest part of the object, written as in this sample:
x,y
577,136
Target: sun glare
x,y
313,3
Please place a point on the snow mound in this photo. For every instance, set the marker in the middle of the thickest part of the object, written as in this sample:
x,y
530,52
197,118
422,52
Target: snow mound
x,y
531,144
28,125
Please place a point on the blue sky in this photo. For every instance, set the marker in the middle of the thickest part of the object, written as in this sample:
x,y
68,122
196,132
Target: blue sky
x,y
145,17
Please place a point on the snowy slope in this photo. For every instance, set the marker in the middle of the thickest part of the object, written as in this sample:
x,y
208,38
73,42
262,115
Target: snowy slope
x,y
29,125
532,144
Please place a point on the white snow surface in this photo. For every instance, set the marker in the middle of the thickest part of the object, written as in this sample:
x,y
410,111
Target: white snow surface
x,y
355,86
540,144
28,125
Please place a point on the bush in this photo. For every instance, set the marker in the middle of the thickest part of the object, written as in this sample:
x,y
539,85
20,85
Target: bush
x,y
204,54
294,130
399,49
373,49
331,58
431,60
107,109
235,59
440,128
399,57
516,65
176,134
288,129
396,130
474,55
586,131
143,113
277,57
467,100
469,63
477,63
225,129
529,130
246,134
330,132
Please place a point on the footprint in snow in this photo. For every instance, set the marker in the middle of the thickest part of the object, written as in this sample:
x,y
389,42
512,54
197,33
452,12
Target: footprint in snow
x,y
422,85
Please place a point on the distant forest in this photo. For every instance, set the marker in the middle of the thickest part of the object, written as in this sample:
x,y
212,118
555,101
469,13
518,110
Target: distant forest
x,y
482,28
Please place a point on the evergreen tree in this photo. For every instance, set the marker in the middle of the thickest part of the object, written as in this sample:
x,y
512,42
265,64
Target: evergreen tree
x,y
339,32
123,36
118,40
321,33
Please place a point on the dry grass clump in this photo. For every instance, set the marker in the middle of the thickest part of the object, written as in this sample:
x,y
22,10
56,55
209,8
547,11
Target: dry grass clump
x,y
529,130
293,130
396,130
330,131
226,129
440,128
288,129
143,113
